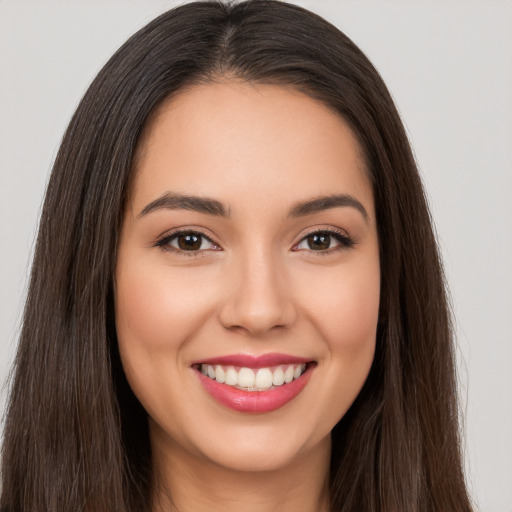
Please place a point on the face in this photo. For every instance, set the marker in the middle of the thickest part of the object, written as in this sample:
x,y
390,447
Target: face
x,y
248,253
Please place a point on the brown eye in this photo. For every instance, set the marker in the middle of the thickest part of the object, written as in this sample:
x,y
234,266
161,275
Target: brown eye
x,y
319,241
189,242
325,242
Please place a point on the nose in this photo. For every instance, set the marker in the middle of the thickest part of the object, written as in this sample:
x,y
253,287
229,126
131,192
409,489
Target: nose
x,y
258,298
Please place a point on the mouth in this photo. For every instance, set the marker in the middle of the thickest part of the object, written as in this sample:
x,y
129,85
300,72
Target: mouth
x,y
251,380
254,384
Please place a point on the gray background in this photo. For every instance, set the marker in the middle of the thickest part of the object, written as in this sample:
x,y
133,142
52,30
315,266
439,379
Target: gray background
x,y
449,67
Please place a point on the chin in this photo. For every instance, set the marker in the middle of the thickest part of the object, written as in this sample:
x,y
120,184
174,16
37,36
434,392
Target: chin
x,y
261,449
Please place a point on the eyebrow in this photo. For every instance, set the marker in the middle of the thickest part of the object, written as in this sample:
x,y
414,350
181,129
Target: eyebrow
x,y
173,201
327,202
170,201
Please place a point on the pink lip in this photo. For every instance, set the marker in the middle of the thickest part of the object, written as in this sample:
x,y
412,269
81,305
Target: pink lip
x,y
251,361
254,401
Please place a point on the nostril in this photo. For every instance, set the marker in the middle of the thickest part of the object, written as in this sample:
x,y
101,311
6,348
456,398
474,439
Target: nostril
x,y
240,317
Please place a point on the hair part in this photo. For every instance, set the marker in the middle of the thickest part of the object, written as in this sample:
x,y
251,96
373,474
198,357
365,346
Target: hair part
x,y
75,436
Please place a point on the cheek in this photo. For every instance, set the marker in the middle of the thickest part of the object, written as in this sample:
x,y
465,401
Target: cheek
x,y
347,317
344,307
157,313
155,308
158,310
352,322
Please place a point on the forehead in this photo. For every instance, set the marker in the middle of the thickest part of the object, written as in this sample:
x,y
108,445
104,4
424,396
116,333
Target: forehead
x,y
238,141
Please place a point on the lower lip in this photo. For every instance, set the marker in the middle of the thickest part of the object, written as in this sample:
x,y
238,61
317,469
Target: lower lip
x,y
255,401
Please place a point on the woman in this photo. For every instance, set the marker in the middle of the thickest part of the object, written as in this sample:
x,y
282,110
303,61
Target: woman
x,y
236,297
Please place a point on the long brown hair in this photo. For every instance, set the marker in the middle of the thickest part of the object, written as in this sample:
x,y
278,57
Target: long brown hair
x,y
75,436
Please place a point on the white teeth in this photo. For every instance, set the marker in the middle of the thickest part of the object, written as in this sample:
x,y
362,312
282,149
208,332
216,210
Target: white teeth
x,y
219,374
246,378
254,380
278,377
288,374
231,377
264,378
296,373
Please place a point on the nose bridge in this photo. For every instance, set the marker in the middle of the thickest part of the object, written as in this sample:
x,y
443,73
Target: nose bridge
x,y
259,298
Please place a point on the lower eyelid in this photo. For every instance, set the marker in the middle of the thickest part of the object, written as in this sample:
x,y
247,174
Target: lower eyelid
x,y
344,240
164,242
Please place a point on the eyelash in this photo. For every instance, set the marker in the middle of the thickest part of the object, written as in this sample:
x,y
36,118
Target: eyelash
x,y
345,241
165,240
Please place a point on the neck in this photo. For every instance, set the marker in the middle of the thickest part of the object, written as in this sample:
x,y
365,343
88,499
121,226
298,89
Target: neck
x,y
187,483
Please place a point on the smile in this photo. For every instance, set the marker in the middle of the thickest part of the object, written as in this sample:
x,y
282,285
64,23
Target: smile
x,y
254,384
261,379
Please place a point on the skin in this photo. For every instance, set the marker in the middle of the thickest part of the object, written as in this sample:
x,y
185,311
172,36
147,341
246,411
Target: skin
x,y
257,288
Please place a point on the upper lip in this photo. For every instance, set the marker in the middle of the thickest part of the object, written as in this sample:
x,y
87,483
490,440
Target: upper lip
x,y
254,361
